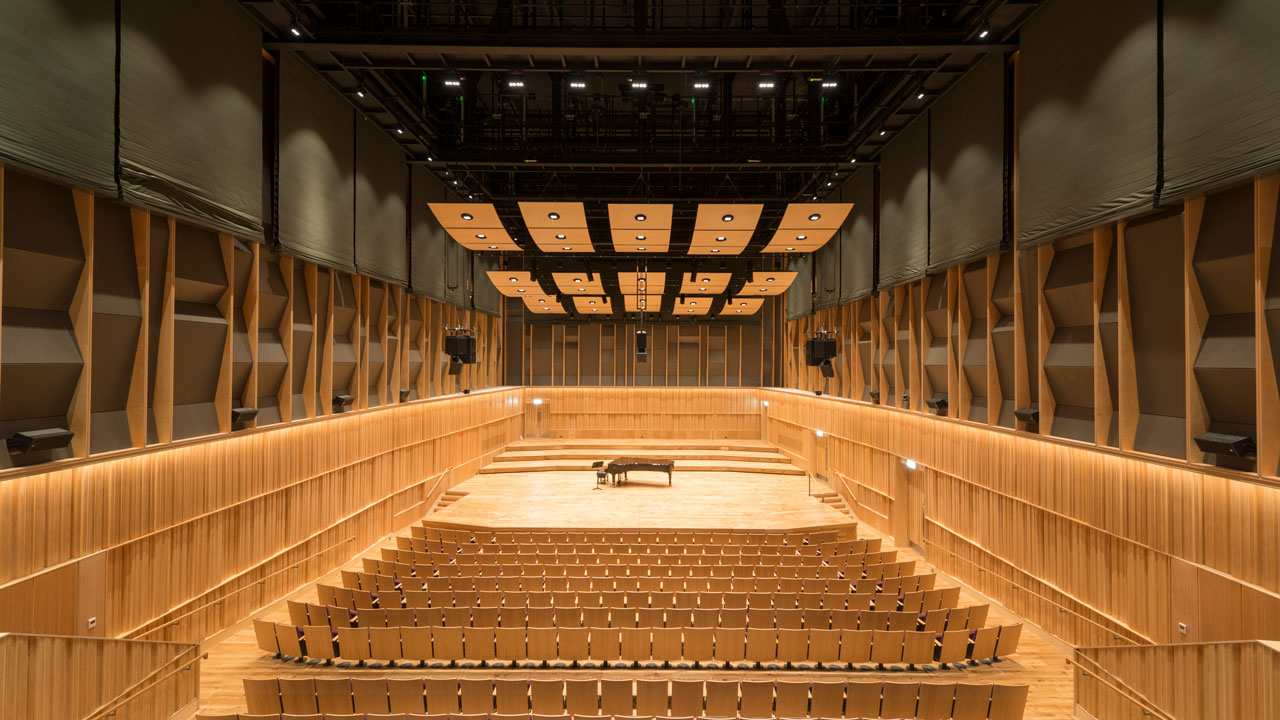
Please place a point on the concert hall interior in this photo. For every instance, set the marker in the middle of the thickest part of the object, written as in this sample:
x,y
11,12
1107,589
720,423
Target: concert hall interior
x,y
639,360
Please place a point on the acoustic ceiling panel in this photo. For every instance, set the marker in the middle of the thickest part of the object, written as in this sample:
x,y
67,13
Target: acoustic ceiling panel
x,y
640,216
544,305
743,305
564,239
705,283
631,283
466,216
590,304
642,303
810,216
558,214
692,306
719,242
656,240
734,216
578,283
768,283
789,240
510,282
483,239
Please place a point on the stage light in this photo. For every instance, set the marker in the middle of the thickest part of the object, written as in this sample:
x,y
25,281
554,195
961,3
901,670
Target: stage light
x,y
639,81
715,250
830,81
911,464
296,29
577,82
853,160
359,91
937,403
452,80
986,30
767,82
515,81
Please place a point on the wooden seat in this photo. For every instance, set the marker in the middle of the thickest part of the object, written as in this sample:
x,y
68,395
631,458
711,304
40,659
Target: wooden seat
x,y
935,701
298,696
1008,702
441,695
651,698
792,699
757,698
730,645
615,697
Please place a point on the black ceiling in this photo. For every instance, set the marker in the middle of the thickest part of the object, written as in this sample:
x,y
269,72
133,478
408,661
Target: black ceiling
x,y
669,142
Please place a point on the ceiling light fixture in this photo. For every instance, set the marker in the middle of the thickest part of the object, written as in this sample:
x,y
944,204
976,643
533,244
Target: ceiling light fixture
x,y
721,238
920,96
359,91
481,236
802,237
790,248
882,132
640,237
295,29
553,215
727,218
519,289
715,250
815,217
467,216
493,247
567,247
640,249
640,217
514,279
768,279
561,237
400,131
984,33
577,280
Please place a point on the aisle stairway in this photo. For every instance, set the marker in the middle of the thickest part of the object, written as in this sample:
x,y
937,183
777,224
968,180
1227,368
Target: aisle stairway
x,y
833,500
749,456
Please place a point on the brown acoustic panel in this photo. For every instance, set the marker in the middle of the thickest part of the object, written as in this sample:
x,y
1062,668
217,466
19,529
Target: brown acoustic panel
x,y
974,361
200,330
1154,255
540,355
1068,361
888,349
610,336
865,347
715,365
571,355
902,347
1028,282
41,363
374,346
589,352
751,346
1002,338
1109,337
273,295
733,354
241,355
303,334
690,355
117,320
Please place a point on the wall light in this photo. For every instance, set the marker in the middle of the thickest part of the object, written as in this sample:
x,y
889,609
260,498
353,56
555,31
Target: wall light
x,y
537,401
911,464
818,433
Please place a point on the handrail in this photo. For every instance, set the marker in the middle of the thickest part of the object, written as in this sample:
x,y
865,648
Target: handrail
x,y
1128,693
1029,591
108,708
291,566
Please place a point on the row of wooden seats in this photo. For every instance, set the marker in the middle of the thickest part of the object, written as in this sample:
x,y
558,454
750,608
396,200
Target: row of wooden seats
x,y
688,586
508,699
454,716
853,598
610,574
649,565
958,618
636,538
826,549
751,646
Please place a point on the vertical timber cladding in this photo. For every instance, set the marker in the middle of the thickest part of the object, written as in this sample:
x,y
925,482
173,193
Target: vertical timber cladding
x,y
603,354
649,412
1195,546
306,494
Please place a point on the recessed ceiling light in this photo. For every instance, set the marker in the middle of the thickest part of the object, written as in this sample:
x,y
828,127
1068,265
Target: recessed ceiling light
x,y
582,289
737,311
715,249
882,132
815,217
640,217
577,280
595,309
695,302
790,248
493,247
768,279
690,311
541,300
802,237
519,289
640,249
567,247
553,215
727,218
762,290
985,32
721,238
481,236
702,289
466,216
591,302
514,279
455,182
920,96
742,303
400,131
560,237
640,237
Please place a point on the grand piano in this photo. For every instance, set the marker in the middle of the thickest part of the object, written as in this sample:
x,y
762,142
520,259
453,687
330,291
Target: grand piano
x,y
616,470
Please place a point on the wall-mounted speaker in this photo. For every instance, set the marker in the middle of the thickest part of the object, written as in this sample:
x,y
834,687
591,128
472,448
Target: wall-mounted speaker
x,y
819,349
342,403
461,348
1241,446
41,440
404,394
828,370
937,403
1028,415
243,414
875,396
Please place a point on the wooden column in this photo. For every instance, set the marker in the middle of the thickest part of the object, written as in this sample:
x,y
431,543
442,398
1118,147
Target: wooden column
x,y
1127,382
284,394
357,388
1103,241
899,378
995,393
1044,260
326,361
403,301
162,403
424,367
310,274
78,413
1021,361
1266,192
1196,318
222,402
250,396
383,320
954,299
136,405
915,318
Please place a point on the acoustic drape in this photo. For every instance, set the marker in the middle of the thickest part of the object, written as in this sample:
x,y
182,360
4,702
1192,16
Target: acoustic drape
x,y
1221,91
191,111
800,294
966,163
857,237
428,240
381,213
57,89
904,205
1087,129
317,168
488,299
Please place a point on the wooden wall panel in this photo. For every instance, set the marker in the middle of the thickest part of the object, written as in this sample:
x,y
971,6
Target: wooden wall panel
x,y
64,677
1077,539
584,412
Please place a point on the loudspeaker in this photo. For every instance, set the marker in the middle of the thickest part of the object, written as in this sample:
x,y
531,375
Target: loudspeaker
x,y
875,396
827,369
342,403
1241,446
1028,415
938,403
39,440
642,342
819,349
243,414
455,366
461,347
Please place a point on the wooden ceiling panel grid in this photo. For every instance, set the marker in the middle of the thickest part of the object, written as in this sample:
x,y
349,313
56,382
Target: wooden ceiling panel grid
x,y
719,242
742,305
692,306
566,239
557,214
483,239
629,282
645,303
734,216
657,240
640,216
510,282
590,304
465,216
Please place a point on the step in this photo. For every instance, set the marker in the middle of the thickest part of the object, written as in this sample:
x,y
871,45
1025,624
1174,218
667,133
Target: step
x,y
772,468
595,444
639,450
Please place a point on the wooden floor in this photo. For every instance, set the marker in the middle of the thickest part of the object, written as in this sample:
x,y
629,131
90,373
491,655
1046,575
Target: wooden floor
x,y
695,500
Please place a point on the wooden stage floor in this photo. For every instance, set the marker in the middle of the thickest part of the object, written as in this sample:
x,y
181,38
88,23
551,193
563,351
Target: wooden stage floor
x,y
695,500
568,499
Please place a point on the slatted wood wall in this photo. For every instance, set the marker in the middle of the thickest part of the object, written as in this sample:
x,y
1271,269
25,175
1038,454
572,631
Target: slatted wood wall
x,y
66,677
180,541
1196,680
1096,545
642,413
